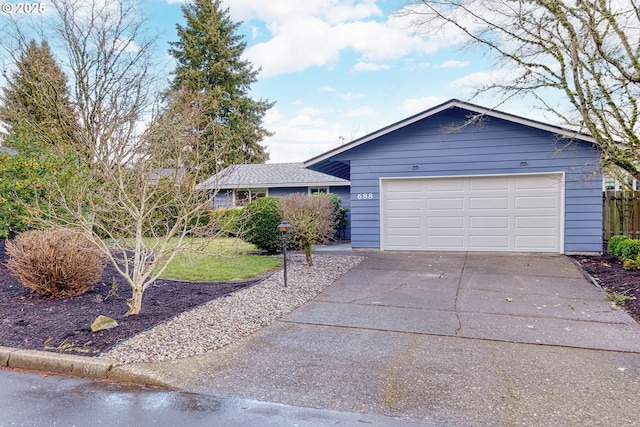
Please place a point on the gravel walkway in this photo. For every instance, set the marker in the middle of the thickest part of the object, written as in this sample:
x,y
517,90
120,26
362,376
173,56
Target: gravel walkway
x,y
226,320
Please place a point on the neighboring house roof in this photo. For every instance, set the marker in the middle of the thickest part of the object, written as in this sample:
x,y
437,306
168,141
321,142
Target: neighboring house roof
x,y
269,175
325,162
9,150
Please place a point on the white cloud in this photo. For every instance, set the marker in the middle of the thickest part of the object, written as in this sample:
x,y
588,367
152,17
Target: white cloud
x,y
417,105
481,79
327,89
362,112
349,96
295,144
369,66
454,64
307,117
315,33
333,11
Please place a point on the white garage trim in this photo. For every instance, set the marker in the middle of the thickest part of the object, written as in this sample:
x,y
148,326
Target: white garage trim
x,y
506,212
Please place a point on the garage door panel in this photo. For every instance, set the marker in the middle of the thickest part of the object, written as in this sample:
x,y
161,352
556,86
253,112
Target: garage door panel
x,y
537,182
405,222
408,242
488,242
445,242
537,222
491,184
445,222
484,222
489,203
534,243
499,213
443,185
540,202
445,204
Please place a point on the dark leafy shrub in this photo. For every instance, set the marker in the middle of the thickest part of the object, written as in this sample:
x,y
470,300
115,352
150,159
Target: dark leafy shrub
x,y
227,221
260,220
629,249
614,243
340,216
55,263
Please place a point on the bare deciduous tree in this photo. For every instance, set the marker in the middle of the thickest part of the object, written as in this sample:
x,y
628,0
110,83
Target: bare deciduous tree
x,y
105,52
578,60
132,188
142,208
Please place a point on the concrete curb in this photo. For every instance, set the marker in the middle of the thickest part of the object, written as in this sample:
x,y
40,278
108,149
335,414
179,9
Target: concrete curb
x,y
585,274
78,366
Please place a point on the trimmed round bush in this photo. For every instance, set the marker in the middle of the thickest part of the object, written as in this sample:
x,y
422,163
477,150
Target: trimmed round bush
x,y
614,244
227,221
55,263
260,221
629,249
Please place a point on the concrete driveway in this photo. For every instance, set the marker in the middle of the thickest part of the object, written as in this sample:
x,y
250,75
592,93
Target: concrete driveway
x,y
454,339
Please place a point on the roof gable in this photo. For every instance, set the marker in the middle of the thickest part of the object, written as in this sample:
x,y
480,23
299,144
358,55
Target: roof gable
x,y
270,175
327,162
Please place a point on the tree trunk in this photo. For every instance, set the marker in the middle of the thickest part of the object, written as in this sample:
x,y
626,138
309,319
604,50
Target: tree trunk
x,y
135,303
307,252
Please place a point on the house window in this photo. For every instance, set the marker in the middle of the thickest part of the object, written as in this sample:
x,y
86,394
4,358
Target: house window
x,y
244,197
609,184
318,190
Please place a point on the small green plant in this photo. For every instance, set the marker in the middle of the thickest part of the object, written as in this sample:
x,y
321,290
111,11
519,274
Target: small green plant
x,y
619,299
630,264
629,249
614,244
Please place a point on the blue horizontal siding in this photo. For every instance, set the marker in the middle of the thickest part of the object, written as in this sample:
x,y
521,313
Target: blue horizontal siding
x,y
497,147
223,200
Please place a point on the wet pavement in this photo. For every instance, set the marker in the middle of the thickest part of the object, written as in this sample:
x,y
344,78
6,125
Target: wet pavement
x,y
33,400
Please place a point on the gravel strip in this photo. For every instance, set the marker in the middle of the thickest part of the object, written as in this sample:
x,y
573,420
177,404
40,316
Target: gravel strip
x,y
226,320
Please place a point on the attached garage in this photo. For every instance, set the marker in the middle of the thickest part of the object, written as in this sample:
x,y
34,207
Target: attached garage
x,y
480,213
460,177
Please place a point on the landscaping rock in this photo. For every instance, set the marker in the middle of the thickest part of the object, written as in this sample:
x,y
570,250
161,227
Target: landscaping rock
x,y
103,322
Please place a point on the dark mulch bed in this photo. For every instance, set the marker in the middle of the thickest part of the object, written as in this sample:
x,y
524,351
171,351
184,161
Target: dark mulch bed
x,y
63,325
609,273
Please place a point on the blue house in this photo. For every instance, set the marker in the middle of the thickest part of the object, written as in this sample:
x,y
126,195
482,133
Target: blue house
x,y
238,185
441,181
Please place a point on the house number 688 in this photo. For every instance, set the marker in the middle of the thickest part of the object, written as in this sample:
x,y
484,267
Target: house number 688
x,y
364,196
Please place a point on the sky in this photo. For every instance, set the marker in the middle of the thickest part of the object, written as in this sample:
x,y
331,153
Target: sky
x,y
338,69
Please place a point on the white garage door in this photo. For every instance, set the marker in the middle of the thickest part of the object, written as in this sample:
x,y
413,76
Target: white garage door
x,y
519,213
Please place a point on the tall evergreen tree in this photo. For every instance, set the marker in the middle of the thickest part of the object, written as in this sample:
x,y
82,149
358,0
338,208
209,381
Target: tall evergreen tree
x,y
208,55
35,104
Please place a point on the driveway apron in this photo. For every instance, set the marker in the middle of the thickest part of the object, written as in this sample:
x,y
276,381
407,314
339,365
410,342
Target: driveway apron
x,y
449,338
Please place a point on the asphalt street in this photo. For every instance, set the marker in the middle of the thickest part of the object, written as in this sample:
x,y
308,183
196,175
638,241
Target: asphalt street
x,y
36,400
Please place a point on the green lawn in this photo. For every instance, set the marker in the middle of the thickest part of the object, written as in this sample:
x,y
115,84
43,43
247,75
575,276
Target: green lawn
x,y
221,259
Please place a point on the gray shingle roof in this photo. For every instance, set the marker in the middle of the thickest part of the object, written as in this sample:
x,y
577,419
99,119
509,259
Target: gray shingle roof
x,y
270,175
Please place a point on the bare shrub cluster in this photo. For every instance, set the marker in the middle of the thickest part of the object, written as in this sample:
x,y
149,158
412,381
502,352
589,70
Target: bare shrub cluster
x,y
56,263
312,219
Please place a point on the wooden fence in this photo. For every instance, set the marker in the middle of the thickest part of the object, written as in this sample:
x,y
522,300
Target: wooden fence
x,y
620,214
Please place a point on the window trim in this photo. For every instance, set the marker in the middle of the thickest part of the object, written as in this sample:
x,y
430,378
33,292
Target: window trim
x,y
318,190
251,192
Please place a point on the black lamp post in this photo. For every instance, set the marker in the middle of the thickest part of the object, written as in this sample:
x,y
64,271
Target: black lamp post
x,y
284,227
